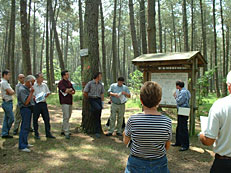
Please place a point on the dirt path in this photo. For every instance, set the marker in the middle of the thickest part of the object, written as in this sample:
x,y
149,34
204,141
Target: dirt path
x,y
110,153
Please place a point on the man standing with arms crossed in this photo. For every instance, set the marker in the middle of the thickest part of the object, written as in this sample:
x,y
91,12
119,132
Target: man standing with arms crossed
x,y
7,104
118,93
218,132
18,118
94,91
66,91
40,107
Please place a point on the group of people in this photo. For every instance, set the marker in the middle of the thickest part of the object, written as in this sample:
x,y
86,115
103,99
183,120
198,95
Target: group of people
x,y
148,134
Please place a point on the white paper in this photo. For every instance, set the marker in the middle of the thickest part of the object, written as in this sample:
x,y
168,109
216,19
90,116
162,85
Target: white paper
x,y
64,94
183,111
122,98
40,97
204,123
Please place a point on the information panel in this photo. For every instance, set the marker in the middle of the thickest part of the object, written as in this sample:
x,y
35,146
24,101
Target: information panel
x,y
168,83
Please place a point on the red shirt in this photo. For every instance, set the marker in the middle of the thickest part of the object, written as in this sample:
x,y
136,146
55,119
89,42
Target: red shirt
x,y
63,85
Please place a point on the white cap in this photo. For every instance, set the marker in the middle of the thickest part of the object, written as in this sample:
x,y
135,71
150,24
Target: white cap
x,y
229,78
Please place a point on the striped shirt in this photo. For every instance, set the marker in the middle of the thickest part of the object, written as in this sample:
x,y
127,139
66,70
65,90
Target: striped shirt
x,y
149,134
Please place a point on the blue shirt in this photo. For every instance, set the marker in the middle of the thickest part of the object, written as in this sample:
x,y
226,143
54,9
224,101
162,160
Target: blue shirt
x,y
182,98
114,88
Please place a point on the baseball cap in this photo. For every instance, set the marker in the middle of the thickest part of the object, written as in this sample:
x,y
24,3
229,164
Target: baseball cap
x,y
229,78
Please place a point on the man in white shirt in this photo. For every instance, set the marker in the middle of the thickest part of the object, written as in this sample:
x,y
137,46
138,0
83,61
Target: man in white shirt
x,y
41,92
7,104
218,132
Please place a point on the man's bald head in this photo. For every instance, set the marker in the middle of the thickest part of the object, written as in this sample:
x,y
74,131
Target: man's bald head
x,y
21,78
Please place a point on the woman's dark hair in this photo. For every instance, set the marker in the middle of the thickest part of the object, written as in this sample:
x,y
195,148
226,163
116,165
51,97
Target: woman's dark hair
x,y
96,75
121,79
63,73
180,83
150,94
37,75
5,72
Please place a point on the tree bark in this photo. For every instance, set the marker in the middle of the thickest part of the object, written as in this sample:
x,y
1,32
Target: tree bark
x,y
118,42
224,86
81,35
124,58
42,47
143,27
103,46
66,46
25,39
185,26
192,24
215,50
59,51
151,27
90,62
133,30
47,47
174,26
114,51
34,44
160,26
227,49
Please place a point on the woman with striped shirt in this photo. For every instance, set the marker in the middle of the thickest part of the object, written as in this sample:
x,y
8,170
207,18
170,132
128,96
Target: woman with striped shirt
x,y
148,134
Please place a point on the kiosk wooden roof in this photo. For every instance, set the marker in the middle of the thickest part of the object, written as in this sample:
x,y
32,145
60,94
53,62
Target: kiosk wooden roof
x,y
177,62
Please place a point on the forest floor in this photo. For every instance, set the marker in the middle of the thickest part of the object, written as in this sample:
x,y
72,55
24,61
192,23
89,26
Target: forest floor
x,y
86,154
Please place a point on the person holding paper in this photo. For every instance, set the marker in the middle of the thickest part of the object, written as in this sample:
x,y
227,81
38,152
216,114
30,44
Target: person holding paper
x,y
182,97
149,134
41,92
94,91
119,94
218,132
66,91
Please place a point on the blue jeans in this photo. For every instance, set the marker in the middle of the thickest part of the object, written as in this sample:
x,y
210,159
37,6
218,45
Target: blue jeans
x,y
96,109
8,117
139,165
25,127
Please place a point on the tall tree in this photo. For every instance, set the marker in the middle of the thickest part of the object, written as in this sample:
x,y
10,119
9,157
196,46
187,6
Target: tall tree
x,y
227,49
66,46
215,49
160,26
12,43
59,51
25,39
151,26
173,25
42,48
81,31
192,24
47,47
224,86
90,62
114,52
133,30
143,27
103,45
185,26
34,43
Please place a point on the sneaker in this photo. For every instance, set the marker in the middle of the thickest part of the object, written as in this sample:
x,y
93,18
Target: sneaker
x,y
50,136
67,136
97,135
119,134
15,132
37,137
30,145
25,150
7,136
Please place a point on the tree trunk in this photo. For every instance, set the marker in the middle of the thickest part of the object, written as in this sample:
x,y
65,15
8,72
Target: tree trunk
x,y
118,42
227,50
173,25
114,51
215,50
103,46
90,62
66,46
185,26
151,27
133,30
29,5
224,86
192,24
124,57
5,57
81,31
34,45
59,51
143,27
160,27
42,47
12,44
165,41
47,47
25,39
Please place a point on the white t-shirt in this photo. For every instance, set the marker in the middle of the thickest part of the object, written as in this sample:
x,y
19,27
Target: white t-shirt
x,y
219,126
4,86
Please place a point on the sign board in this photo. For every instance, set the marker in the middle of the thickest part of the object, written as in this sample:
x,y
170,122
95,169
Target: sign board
x,y
83,52
168,83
